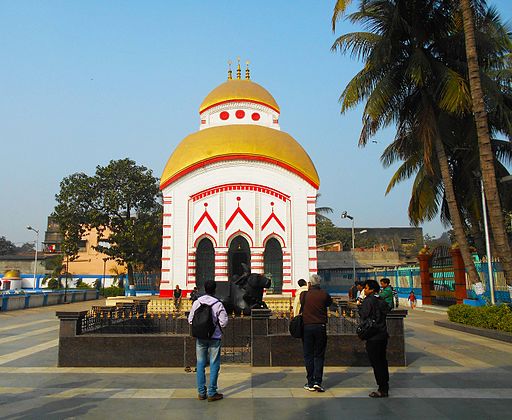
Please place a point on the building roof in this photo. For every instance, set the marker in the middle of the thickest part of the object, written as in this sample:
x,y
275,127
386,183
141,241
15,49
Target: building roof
x,y
239,142
330,260
239,90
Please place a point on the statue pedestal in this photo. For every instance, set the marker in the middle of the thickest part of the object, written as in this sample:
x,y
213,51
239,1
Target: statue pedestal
x,y
260,340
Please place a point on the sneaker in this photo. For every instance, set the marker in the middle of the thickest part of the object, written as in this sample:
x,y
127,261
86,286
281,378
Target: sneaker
x,y
216,397
318,388
307,387
201,396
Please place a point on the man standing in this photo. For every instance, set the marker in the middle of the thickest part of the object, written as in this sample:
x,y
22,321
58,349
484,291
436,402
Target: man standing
x,y
375,308
314,314
386,292
303,287
212,345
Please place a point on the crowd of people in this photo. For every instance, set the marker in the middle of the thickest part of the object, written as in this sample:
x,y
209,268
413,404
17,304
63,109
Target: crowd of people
x,y
208,317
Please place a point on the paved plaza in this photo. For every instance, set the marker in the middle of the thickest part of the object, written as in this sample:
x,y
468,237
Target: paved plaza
x,y
449,375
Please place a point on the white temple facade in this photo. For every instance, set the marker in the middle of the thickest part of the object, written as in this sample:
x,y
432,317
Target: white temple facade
x,y
239,190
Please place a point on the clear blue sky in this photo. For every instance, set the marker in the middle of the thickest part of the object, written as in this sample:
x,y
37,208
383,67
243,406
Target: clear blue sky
x,y
82,83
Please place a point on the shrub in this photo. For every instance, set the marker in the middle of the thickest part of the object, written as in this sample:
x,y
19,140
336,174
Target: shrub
x,y
112,291
490,317
54,284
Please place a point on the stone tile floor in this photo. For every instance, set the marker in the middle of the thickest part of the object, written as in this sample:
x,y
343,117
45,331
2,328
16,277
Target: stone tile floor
x,y
449,375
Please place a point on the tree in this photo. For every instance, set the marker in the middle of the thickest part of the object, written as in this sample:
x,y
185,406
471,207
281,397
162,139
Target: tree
x,y
406,82
123,203
321,211
6,246
496,215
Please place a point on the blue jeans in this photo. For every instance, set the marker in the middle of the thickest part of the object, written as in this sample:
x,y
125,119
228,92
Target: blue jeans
x,y
314,344
202,348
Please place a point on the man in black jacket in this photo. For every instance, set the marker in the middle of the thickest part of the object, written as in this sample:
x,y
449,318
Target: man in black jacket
x,y
373,307
314,314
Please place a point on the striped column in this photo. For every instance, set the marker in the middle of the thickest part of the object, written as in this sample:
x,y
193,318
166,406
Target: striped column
x,y
287,269
221,264
311,219
167,233
191,268
257,260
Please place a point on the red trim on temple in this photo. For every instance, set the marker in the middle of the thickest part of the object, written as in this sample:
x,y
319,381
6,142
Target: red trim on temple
x,y
240,156
227,101
239,187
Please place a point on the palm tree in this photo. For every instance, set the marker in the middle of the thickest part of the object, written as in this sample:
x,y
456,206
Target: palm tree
x,y
322,211
405,81
486,155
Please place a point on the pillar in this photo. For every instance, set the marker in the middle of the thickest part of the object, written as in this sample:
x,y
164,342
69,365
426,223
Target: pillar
x,y
424,259
459,270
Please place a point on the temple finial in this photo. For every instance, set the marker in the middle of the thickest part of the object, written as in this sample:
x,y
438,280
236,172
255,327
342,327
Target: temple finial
x,y
247,71
238,70
230,72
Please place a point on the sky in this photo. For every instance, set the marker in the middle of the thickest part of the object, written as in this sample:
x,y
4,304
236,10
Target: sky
x,y
83,83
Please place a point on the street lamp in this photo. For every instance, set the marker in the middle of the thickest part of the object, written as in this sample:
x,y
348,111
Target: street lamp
x,y
103,282
35,258
487,239
345,215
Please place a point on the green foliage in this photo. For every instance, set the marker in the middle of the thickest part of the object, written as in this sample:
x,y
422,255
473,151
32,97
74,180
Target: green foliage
x,y
122,202
112,291
81,285
490,317
9,248
54,284
6,246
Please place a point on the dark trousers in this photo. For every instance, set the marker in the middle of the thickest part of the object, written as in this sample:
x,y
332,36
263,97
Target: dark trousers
x,y
314,344
376,350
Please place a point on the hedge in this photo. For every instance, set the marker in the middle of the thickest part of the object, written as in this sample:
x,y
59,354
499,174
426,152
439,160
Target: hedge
x,y
112,291
490,317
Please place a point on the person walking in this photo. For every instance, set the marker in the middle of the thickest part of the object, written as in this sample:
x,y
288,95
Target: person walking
x,y
412,299
314,314
303,287
177,297
373,307
211,346
386,292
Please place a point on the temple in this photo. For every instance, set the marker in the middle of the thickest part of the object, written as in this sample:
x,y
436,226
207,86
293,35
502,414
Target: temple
x,y
237,191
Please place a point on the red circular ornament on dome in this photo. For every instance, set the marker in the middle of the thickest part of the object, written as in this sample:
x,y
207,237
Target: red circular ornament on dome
x,y
238,199
255,116
240,114
224,115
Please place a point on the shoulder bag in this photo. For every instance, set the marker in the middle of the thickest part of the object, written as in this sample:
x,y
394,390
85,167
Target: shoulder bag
x,y
296,326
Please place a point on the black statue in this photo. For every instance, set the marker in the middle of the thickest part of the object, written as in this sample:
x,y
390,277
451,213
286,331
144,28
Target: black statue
x,y
247,291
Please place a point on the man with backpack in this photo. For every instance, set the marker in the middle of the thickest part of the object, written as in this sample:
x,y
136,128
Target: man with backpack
x,y
376,308
207,318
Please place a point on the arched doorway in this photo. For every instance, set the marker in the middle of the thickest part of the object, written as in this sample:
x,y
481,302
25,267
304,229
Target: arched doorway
x,y
239,252
273,265
205,263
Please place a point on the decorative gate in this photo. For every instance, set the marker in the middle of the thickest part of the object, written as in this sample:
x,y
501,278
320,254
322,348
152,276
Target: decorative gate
x,y
442,277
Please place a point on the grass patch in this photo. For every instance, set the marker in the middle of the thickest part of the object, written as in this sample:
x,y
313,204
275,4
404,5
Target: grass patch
x,y
490,317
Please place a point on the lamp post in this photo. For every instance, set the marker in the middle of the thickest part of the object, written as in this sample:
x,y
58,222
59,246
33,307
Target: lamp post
x,y
103,282
487,243
35,257
478,175
345,215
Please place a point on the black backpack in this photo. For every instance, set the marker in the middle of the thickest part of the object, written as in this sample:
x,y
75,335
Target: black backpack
x,y
202,322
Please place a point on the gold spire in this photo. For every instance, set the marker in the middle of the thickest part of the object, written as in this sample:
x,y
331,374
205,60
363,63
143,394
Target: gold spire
x,y
238,70
230,72
247,71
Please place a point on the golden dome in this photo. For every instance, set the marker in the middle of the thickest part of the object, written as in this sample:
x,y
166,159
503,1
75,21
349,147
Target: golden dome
x,y
233,142
238,90
12,275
